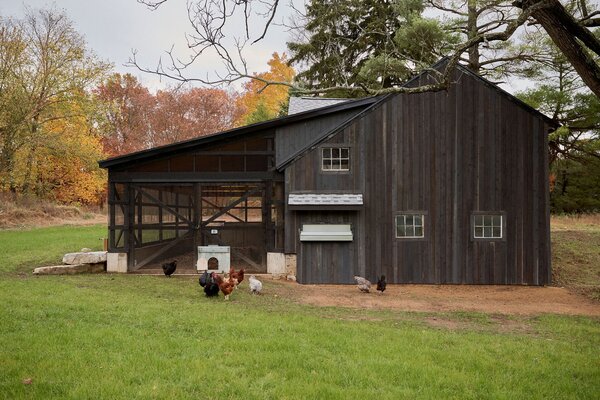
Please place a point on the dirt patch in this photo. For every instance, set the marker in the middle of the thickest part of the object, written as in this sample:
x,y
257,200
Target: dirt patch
x,y
500,300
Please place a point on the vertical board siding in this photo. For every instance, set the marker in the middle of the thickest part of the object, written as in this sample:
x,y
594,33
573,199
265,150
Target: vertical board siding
x,y
294,137
449,154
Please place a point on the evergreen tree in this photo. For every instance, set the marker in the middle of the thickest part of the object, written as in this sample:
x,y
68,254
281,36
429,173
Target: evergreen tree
x,y
366,43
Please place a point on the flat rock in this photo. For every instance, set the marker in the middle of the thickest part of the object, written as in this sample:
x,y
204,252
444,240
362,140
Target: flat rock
x,y
91,257
71,269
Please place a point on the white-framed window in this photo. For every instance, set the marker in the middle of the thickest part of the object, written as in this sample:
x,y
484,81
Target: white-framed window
x,y
335,159
488,226
410,225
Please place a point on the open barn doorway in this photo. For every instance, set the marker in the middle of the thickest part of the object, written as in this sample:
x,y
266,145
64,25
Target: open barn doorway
x,y
166,222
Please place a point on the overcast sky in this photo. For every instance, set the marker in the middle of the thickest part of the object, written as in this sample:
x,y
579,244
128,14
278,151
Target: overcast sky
x,y
112,28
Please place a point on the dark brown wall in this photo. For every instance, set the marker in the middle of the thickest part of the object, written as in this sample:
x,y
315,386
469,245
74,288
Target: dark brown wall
x,y
294,137
448,154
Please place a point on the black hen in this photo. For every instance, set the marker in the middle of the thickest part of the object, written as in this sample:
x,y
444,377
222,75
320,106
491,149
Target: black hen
x,y
211,288
203,280
169,268
381,284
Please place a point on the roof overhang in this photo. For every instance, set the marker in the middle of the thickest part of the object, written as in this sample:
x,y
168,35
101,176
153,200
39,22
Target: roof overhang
x,y
325,201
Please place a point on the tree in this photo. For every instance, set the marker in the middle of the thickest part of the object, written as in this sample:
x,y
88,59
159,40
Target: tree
x,y
366,43
67,171
49,77
570,35
261,103
576,185
13,99
209,19
125,115
134,119
182,114
472,18
574,148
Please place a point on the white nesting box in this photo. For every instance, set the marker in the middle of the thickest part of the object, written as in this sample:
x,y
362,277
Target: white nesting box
x,y
214,258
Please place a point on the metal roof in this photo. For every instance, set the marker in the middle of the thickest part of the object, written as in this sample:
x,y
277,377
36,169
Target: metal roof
x,y
301,104
320,199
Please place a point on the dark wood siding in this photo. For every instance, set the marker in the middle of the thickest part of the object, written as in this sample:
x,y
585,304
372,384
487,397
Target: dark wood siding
x,y
328,261
451,153
294,137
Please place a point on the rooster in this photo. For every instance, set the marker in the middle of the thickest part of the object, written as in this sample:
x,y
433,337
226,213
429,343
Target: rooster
x,y
381,284
211,289
203,280
255,285
237,276
226,286
363,284
169,268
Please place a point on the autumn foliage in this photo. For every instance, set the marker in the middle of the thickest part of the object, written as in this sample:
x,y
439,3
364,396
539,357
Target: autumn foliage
x,y
61,110
261,102
135,119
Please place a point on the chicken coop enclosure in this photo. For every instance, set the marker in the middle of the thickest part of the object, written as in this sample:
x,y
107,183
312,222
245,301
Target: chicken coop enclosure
x,y
171,215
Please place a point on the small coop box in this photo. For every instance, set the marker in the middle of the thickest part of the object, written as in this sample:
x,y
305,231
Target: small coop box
x,y
213,258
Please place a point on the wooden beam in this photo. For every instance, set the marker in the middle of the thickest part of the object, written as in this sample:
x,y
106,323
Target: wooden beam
x,y
219,207
193,177
163,205
239,254
231,205
162,251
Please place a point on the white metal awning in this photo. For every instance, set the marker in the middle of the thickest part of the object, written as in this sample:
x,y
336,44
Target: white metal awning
x,y
321,200
326,233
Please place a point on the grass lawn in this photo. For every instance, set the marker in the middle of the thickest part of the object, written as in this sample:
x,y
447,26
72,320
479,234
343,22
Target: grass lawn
x,y
23,250
576,253
113,336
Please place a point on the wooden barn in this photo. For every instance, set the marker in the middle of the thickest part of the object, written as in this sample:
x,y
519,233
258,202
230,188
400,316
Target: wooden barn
x,y
440,187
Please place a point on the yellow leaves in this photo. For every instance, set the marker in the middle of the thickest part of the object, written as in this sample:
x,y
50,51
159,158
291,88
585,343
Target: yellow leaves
x,y
262,101
63,163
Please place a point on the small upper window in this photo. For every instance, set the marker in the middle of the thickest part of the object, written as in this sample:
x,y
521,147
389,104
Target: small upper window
x,y
410,226
487,226
335,159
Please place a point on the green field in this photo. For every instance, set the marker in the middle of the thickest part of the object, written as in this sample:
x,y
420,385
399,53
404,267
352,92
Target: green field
x,y
123,337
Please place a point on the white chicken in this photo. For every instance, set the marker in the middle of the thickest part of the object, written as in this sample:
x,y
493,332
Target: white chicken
x,y
363,284
255,285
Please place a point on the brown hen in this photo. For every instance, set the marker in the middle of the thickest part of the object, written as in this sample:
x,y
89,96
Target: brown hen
x,y
226,286
238,276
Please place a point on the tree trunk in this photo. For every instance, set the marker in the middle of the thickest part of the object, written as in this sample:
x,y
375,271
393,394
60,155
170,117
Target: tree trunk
x,y
471,33
565,32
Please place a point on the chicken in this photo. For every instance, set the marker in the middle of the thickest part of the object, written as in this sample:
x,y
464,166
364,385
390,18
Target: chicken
x,y
255,285
211,288
363,284
169,268
203,280
381,284
237,276
226,286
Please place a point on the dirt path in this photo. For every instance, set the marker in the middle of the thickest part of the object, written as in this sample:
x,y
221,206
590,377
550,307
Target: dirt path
x,y
519,300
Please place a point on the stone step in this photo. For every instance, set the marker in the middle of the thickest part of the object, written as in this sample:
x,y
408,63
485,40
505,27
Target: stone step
x,y
91,257
71,269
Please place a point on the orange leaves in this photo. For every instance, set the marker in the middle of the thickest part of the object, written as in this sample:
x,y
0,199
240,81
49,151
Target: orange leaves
x,y
66,167
261,101
135,119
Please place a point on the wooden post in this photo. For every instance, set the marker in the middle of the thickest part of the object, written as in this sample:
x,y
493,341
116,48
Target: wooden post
x,y
197,219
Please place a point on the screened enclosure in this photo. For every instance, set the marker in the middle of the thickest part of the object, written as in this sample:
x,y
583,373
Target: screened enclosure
x,y
226,194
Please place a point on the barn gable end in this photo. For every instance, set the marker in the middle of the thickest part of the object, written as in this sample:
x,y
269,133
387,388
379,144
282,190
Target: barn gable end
x,y
447,156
